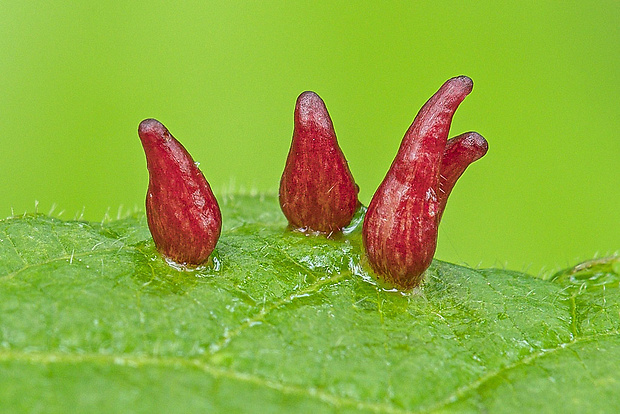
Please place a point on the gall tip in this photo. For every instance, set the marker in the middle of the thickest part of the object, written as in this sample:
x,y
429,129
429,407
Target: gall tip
x,y
151,128
463,82
477,145
150,125
311,110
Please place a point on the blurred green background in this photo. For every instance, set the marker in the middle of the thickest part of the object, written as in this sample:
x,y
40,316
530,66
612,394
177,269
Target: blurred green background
x,y
76,78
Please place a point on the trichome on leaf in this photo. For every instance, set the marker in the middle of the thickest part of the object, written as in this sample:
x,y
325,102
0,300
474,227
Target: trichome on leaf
x,y
400,227
317,190
182,212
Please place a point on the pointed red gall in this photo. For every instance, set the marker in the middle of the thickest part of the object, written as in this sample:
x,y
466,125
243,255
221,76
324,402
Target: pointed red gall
x,y
182,212
317,190
400,226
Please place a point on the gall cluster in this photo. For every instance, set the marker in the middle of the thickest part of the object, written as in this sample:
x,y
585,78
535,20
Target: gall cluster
x,y
318,192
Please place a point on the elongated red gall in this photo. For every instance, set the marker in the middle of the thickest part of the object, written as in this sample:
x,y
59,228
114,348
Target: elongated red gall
x,y
182,212
400,226
317,190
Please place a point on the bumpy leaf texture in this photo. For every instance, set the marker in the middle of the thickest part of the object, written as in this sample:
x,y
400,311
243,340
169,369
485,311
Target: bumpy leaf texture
x,y
93,320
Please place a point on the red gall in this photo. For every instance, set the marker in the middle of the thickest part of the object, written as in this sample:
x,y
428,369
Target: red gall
x,y
182,212
400,226
317,190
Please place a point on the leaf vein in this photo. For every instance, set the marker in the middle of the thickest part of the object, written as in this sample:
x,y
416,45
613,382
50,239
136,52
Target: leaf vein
x,y
265,310
10,239
46,358
476,384
60,259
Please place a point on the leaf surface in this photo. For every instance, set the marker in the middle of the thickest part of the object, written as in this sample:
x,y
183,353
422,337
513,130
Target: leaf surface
x,y
93,320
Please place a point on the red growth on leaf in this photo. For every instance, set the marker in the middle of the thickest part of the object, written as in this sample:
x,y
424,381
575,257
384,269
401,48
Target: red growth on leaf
x,y
400,227
317,190
182,212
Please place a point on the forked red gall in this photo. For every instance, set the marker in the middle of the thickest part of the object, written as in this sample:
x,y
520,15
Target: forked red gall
x,y
400,227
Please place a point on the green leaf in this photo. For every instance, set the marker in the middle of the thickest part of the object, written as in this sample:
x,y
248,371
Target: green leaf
x,y
93,320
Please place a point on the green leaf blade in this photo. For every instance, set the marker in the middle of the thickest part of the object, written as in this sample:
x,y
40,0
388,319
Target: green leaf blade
x,y
284,321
